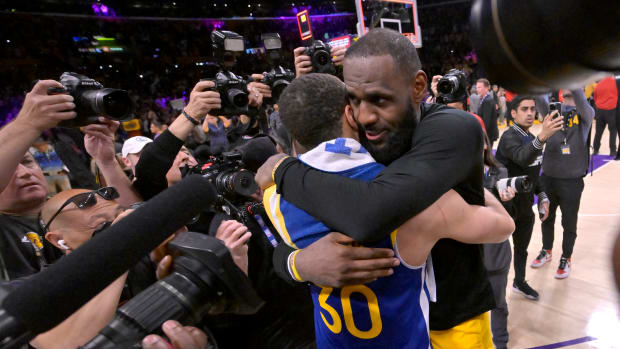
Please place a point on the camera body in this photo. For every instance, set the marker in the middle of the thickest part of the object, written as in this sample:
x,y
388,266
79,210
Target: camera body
x,y
233,91
521,184
232,181
92,100
278,79
320,54
452,87
204,281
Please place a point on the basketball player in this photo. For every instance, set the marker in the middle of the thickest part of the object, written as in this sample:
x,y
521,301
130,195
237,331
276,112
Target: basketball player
x,y
389,312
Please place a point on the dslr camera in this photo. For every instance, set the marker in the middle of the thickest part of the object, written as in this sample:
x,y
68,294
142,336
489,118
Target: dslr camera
x,y
320,54
92,100
521,184
233,91
232,88
233,183
452,87
278,78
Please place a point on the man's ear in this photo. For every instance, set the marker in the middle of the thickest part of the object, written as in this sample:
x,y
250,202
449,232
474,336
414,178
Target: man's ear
x,y
513,113
53,237
350,118
126,162
418,87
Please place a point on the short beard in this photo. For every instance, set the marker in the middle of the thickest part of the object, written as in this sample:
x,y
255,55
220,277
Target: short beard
x,y
399,141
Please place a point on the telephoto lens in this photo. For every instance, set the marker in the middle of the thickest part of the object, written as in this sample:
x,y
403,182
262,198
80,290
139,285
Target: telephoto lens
x,y
112,103
521,184
541,46
204,281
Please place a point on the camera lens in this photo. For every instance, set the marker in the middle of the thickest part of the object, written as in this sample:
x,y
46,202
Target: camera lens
x,y
117,105
239,183
447,86
238,98
113,103
321,57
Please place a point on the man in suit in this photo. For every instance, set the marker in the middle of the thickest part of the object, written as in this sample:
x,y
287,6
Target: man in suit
x,y
487,109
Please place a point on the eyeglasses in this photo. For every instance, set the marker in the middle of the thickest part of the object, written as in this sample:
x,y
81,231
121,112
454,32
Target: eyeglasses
x,y
567,96
83,201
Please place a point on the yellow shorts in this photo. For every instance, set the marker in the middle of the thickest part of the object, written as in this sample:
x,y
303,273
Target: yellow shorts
x,y
474,333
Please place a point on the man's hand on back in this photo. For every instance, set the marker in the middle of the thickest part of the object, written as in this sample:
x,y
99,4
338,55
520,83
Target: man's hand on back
x,y
334,261
42,111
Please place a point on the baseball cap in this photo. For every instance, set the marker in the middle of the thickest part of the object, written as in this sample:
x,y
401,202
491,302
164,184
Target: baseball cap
x,y
135,145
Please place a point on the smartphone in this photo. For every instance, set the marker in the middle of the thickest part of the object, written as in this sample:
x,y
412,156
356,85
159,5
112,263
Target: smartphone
x,y
303,22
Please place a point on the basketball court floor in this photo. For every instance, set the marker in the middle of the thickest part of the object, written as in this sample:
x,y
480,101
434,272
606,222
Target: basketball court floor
x,y
583,310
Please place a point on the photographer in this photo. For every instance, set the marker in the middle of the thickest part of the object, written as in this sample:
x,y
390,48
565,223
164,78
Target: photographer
x,y
521,153
303,62
23,188
564,165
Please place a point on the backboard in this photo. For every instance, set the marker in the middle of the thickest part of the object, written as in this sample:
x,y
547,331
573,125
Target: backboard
x,y
399,15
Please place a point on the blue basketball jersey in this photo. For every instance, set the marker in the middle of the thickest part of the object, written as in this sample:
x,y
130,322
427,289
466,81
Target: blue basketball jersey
x,y
391,312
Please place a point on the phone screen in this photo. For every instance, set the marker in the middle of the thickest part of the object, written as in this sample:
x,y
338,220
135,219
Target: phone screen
x,y
303,21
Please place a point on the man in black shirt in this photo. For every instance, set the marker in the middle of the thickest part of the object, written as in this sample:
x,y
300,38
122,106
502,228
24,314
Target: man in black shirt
x,y
23,188
521,153
429,149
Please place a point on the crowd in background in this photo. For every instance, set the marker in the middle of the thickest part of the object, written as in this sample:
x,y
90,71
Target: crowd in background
x,y
159,61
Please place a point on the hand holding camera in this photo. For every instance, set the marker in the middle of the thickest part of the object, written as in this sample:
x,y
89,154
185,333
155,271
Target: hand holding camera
x,y
338,55
202,100
507,194
181,337
42,111
303,63
436,79
551,124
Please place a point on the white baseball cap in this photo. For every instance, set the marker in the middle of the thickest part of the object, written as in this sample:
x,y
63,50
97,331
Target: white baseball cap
x,y
135,145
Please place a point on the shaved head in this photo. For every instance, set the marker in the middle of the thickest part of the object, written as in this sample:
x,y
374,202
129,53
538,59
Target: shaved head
x,y
52,205
76,225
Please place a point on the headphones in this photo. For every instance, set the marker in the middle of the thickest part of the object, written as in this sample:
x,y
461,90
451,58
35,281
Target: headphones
x,y
63,245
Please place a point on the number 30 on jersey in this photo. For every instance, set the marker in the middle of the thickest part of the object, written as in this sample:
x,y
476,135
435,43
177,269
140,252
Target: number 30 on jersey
x,y
336,323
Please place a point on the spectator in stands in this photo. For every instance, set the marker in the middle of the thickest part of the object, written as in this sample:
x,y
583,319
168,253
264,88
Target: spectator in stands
x,y
157,127
54,170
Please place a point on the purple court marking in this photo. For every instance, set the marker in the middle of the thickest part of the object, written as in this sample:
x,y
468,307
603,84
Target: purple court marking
x,y
566,343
